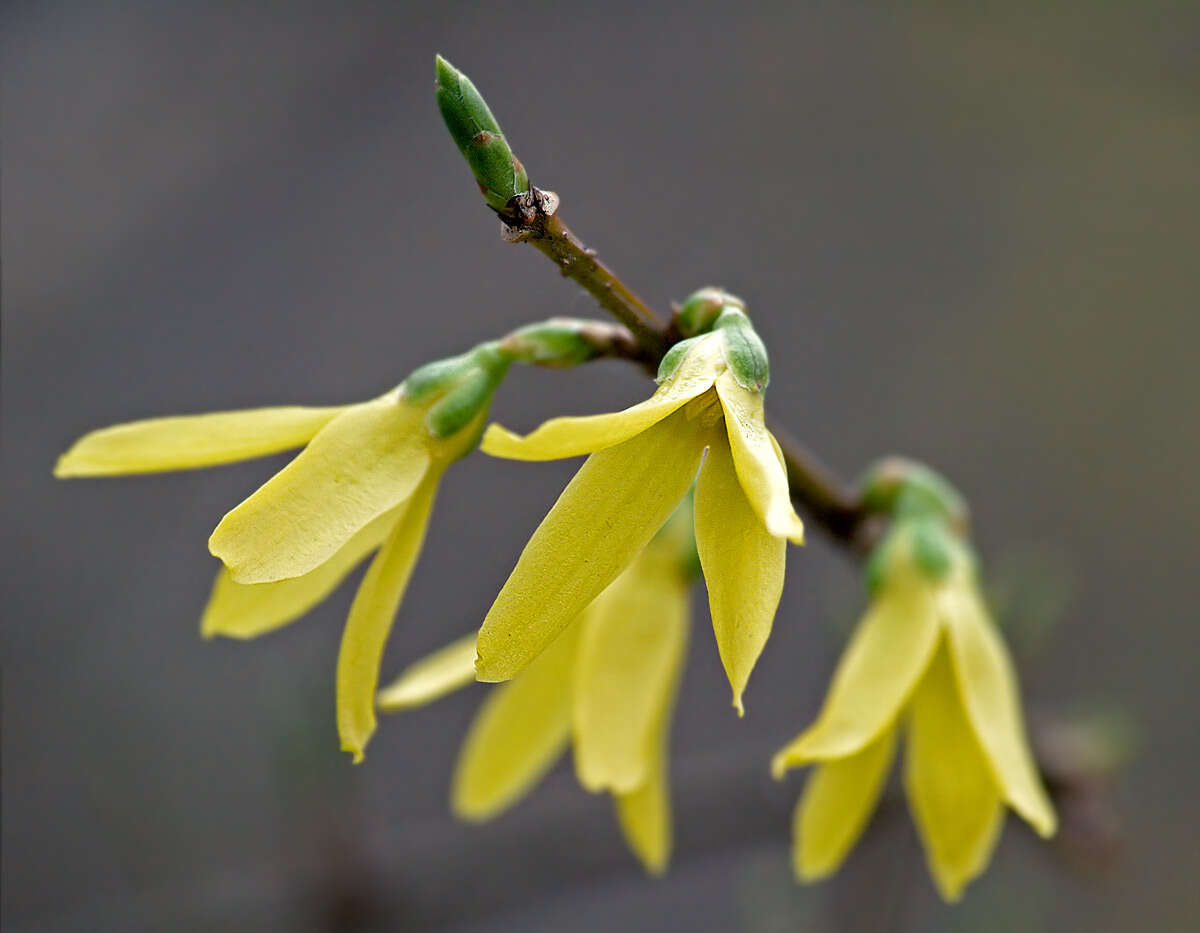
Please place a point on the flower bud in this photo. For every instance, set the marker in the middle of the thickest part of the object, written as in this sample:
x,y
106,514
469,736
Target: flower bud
x,y
497,171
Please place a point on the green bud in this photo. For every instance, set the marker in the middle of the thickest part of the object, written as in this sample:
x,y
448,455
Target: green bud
x,y
557,342
745,353
900,487
699,313
497,171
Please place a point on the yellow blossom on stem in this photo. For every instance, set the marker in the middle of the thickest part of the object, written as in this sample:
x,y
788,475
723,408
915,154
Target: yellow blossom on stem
x,y
925,661
365,482
643,461
606,685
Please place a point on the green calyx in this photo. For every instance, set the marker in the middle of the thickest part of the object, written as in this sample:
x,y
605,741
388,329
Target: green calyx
x,y
458,390
745,353
559,342
497,171
923,541
901,488
700,311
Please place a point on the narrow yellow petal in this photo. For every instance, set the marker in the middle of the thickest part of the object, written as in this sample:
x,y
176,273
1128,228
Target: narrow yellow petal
x,y
432,677
185,442
839,798
954,799
886,656
370,621
644,815
758,460
616,502
989,688
743,566
520,731
366,461
572,437
630,652
247,610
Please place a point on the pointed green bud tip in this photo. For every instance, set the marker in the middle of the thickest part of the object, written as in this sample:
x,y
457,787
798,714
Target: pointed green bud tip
x,y
745,353
899,487
497,171
457,391
699,313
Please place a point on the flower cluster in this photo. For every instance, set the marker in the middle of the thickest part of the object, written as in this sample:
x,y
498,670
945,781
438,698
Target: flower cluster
x,y
591,626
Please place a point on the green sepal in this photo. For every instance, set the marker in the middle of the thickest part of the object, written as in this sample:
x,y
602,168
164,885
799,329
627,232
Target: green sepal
x,y
558,342
479,138
900,487
876,565
745,353
673,357
933,547
700,311
457,389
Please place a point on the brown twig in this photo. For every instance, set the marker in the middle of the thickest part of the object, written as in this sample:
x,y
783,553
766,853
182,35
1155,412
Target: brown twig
x,y
533,218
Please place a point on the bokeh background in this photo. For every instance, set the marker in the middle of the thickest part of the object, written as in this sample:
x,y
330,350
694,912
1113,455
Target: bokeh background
x,y
968,233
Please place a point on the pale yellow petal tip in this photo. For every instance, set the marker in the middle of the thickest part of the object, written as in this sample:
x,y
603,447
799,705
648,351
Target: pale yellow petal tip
x,y
468,810
356,752
810,871
781,764
738,704
655,864
499,441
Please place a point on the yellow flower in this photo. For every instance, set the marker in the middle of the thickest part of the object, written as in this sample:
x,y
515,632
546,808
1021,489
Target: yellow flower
x,y
365,482
643,461
926,657
606,684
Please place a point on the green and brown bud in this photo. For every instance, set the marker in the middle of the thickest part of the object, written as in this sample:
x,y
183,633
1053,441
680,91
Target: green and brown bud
x,y
497,170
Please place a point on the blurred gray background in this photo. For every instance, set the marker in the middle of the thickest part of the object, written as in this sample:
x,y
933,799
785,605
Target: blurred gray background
x,y
966,235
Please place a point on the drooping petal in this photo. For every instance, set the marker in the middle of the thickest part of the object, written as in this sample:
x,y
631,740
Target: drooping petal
x,y
366,461
758,461
572,437
370,620
247,610
644,814
836,806
616,502
520,731
989,689
954,799
886,656
743,566
185,442
432,677
630,652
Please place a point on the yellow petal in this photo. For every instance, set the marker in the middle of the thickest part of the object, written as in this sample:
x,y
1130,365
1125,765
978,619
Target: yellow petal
x,y
247,610
758,460
989,688
743,567
644,814
954,799
630,653
572,437
521,730
366,461
839,798
370,621
432,677
617,501
887,654
188,441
